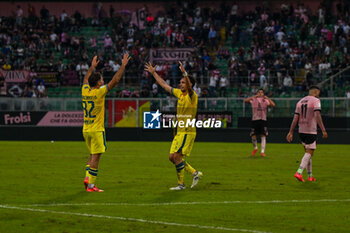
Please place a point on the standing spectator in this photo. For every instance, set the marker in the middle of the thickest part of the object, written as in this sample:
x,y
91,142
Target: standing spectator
x,y
197,89
212,84
223,83
287,83
212,37
108,43
19,15
63,15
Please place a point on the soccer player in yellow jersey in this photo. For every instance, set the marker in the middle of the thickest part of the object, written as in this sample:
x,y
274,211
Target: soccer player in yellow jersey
x,y
182,144
93,102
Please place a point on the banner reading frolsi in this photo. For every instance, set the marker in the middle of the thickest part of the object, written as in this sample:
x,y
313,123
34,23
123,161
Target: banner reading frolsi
x,y
51,118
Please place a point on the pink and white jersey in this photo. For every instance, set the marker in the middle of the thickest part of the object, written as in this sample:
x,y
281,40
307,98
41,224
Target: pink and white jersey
x,y
259,108
306,108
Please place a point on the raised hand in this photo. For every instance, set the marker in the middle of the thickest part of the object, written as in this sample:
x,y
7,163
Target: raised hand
x,y
181,67
95,62
149,68
126,59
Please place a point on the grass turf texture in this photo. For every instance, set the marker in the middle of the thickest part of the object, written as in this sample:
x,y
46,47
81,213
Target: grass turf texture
x,y
139,172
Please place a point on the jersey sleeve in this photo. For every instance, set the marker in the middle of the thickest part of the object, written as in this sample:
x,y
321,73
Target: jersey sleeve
x,y
102,91
267,103
297,109
176,92
85,88
251,101
317,105
193,98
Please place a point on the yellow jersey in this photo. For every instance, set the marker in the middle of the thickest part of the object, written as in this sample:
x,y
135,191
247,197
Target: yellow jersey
x,y
186,110
93,101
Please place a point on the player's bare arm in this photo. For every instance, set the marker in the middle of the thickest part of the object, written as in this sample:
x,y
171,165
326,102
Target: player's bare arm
x,y
116,78
187,80
272,104
94,64
247,100
292,127
152,70
320,124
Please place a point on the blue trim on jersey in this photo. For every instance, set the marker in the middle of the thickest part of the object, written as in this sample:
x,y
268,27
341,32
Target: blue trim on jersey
x,y
107,87
86,87
183,144
104,140
172,91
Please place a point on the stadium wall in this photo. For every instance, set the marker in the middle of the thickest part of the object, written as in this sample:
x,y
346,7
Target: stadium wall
x,y
336,136
85,7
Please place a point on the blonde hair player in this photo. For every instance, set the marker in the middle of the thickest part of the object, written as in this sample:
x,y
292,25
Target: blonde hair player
x,y
183,141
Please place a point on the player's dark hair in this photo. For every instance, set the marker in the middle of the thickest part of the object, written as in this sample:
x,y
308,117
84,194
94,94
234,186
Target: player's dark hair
x,y
314,87
260,89
94,78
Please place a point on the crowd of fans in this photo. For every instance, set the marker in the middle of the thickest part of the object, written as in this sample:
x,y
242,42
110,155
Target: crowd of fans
x,y
281,51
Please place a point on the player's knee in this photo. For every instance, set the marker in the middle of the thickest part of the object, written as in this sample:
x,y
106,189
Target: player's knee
x,y
310,151
177,158
171,158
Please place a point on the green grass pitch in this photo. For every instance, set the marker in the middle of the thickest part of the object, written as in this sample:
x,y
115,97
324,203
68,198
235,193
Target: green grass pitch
x,y
238,193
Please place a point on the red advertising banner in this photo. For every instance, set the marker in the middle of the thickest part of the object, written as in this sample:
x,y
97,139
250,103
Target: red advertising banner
x,y
15,76
125,113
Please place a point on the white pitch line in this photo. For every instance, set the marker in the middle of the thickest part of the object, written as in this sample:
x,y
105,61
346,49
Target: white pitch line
x,y
131,219
190,203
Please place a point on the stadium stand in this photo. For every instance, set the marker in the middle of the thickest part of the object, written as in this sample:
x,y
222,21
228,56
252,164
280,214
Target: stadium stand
x,y
282,50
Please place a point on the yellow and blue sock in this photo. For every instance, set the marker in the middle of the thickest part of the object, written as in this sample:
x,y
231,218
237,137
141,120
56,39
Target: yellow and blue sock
x,y
188,167
87,169
180,173
92,177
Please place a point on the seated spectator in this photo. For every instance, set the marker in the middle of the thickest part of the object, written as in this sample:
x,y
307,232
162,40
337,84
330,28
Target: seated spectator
x,y
41,90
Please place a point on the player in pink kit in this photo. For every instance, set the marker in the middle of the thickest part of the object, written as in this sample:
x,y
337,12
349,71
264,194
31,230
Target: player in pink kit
x,y
308,115
259,103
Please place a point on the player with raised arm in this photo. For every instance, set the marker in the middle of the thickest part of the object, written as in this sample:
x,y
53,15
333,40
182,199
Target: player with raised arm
x,y
307,115
182,144
93,102
259,104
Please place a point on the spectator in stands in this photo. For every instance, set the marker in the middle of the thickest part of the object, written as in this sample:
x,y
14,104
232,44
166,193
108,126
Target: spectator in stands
x,y
41,90
212,85
6,66
63,16
155,90
197,89
223,83
108,43
19,15
287,83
